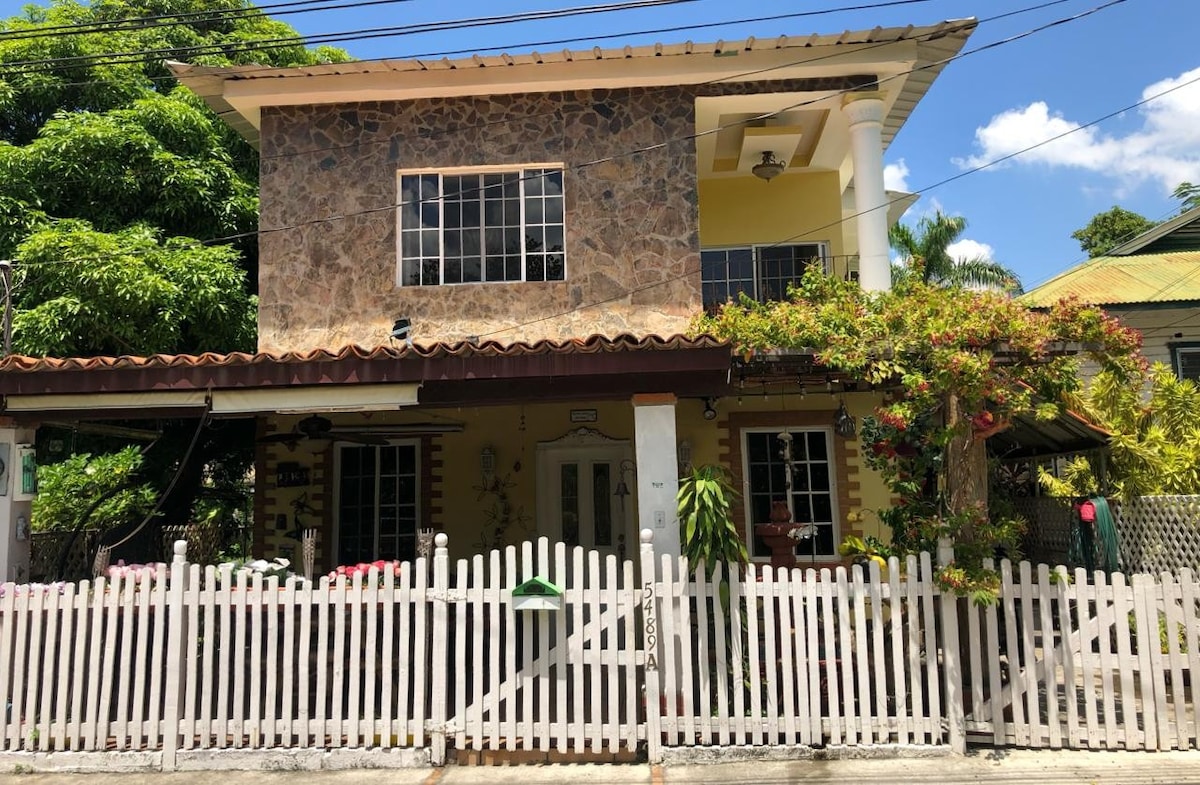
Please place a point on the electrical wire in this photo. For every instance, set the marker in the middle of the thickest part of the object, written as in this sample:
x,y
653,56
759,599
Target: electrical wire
x,y
690,137
123,58
158,21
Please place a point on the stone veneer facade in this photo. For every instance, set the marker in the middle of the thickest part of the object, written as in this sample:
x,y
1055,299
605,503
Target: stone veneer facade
x,y
328,224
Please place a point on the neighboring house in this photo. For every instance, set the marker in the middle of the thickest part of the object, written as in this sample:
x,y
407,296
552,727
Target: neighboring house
x,y
520,244
1152,283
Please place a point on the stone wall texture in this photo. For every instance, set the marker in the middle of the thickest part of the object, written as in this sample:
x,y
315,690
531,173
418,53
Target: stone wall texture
x,y
631,221
328,224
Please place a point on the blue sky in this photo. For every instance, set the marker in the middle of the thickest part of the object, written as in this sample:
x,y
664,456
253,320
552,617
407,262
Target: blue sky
x,y
989,104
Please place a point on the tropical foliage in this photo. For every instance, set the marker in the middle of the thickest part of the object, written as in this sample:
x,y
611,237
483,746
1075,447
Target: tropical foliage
x,y
958,366
707,532
112,480
925,255
1155,444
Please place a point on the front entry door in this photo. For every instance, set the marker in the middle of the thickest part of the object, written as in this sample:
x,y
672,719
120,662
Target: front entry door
x,y
585,495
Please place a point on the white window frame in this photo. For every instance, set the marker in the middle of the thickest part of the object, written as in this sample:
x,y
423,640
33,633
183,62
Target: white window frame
x,y
747,501
454,171
754,249
337,489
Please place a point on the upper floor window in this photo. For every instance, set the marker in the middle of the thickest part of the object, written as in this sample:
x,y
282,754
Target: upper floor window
x,y
481,226
762,272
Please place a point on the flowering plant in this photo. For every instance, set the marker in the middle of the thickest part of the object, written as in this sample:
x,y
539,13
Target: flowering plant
x,y
958,365
364,569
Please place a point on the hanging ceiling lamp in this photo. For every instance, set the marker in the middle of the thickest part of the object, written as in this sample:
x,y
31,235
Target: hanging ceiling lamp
x,y
768,168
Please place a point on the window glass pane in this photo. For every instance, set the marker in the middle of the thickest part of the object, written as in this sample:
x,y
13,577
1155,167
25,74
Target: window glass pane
x,y
535,267
602,504
569,502
817,445
430,272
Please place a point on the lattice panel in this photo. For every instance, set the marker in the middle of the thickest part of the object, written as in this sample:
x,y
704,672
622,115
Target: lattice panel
x,y
1048,536
45,553
1159,533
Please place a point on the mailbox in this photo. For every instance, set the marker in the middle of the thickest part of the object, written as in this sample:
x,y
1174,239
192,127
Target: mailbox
x,y
537,594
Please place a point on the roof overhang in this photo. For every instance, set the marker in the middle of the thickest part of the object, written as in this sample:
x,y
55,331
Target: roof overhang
x,y
358,379
906,59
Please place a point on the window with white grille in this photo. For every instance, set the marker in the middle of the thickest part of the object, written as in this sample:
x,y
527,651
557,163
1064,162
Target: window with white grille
x,y
797,470
761,272
481,226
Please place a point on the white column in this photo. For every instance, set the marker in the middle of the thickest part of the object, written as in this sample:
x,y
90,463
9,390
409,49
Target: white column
x,y
14,515
657,469
865,113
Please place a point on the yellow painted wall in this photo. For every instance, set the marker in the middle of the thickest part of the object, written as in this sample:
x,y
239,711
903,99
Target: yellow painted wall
x,y
513,433
799,207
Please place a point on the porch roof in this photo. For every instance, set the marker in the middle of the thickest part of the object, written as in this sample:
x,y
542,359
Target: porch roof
x,y
447,372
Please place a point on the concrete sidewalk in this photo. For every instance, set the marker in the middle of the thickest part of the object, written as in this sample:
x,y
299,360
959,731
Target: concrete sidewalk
x,y
987,766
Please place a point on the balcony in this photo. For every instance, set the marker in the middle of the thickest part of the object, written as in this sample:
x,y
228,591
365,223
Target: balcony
x,y
765,272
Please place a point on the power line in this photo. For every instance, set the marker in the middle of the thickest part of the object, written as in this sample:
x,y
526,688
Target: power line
x,y
733,124
690,137
156,21
123,58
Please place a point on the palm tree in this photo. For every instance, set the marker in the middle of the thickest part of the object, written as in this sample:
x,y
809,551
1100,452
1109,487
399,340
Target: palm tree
x,y
923,251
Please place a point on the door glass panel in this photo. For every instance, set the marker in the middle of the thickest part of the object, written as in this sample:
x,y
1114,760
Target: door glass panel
x,y
569,502
377,510
602,503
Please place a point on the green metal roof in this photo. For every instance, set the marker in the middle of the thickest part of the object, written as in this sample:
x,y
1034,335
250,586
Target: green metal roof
x,y
1116,280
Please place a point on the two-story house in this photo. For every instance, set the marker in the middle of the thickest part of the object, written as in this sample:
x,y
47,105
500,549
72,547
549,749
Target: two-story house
x,y
477,278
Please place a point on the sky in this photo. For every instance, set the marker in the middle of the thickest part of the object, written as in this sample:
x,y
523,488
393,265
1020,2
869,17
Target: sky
x,y
983,106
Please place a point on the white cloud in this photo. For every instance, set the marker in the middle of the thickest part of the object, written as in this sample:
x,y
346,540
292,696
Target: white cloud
x,y
969,249
1165,149
895,176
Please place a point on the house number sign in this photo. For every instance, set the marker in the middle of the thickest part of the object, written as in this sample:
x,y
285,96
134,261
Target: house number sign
x,y
649,626
291,475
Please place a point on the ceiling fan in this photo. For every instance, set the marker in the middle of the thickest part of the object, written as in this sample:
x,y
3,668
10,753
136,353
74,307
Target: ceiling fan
x,y
317,427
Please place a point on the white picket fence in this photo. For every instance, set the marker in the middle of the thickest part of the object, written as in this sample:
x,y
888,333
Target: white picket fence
x,y
435,660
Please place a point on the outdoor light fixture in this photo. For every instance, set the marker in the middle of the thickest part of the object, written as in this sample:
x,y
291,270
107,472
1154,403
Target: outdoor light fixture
x,y
623,487
768,168
710,412
402,331
843,422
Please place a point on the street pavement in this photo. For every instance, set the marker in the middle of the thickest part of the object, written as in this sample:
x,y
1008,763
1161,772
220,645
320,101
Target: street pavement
x,y
985,766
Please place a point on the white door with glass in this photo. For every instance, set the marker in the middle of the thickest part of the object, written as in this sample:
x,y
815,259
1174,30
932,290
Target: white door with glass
x,y
585,495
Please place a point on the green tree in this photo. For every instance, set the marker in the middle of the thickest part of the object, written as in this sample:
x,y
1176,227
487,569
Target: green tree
x,y
116,185
111,477
1109,229
925,253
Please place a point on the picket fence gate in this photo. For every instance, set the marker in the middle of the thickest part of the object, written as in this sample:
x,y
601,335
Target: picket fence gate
x,y
431,661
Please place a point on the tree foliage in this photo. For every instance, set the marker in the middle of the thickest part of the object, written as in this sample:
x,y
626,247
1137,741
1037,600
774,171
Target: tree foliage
x,y
111,477
1188,194
1155,444
116,187
1109,229
960,364
925,255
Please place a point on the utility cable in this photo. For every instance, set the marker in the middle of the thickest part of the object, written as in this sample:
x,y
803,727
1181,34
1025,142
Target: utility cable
x,y
123,58
158,21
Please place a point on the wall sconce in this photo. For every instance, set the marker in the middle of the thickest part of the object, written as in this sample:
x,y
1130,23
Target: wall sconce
x,y
402,331
487,461
844,423
710,411
626,468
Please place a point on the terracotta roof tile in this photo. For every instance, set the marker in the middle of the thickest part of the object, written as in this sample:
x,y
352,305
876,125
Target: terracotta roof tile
x,y
594,344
